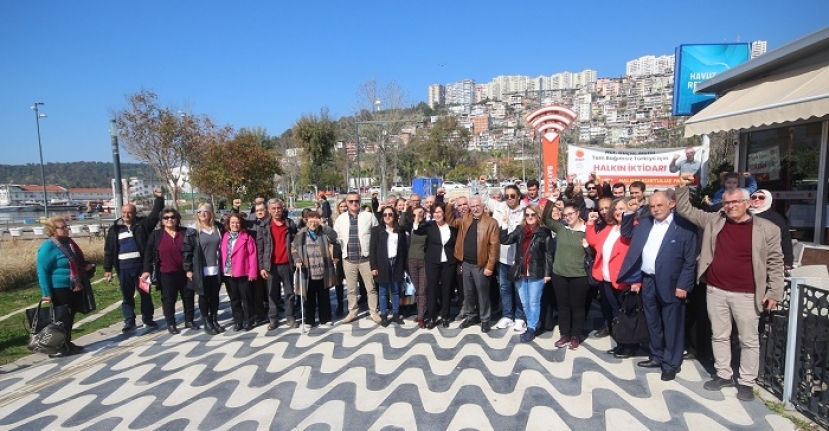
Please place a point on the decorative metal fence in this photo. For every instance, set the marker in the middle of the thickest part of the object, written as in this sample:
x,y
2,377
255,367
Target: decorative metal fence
x,y
794,351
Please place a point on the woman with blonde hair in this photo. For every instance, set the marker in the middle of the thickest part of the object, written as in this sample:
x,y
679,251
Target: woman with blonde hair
x,y
201,261
533,263
61,271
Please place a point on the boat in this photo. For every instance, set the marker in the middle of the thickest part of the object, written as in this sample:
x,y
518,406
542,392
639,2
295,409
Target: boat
x,y
11,208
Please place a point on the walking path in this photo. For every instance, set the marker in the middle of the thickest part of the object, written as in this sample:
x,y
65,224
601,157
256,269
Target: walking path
x,y
359,376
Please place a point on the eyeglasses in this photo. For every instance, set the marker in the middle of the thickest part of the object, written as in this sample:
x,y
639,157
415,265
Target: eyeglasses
x,y
61,227
389,215
732,203
512,196
169,217
353,201
591,188
758,197
570,214
530,215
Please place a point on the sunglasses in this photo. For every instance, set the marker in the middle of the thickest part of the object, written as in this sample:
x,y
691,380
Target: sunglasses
x,y
512,196
169,217
758,197
388,214
61,227
353,201
530,215
591,188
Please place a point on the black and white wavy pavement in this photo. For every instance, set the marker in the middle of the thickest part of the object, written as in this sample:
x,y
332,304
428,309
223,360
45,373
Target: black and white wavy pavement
x,y
363,377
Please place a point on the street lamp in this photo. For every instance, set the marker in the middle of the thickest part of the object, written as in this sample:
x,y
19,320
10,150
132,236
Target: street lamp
x,y
116,162
38,116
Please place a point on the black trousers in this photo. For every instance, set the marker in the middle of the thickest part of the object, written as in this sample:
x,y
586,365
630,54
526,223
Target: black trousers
x,y
571,296
260,298
317,296
209,302
240,290
173,285
69,298
440,283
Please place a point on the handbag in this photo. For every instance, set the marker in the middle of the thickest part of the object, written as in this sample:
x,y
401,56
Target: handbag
x,y
86,301
409,286
589,261
630,327
51,338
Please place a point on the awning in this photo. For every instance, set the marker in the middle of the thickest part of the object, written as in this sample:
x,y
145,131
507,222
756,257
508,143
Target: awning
x,y
790,96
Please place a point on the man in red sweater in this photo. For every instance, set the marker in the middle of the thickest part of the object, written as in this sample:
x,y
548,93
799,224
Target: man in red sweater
x,y
741,263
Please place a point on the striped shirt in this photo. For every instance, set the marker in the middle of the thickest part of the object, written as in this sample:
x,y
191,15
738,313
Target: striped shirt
x,y
129,257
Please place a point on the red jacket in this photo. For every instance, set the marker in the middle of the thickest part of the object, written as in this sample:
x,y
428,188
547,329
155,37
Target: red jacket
x,y
617,256
244,260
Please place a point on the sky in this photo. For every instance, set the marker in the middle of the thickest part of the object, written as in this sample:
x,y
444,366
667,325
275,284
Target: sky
x,y
267,63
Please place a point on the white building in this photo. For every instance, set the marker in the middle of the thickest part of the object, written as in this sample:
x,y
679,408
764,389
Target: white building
x,y
758,48
14,194
650,65
437,95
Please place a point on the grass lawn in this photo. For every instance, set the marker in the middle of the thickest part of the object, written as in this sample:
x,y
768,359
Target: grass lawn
x,y
13,334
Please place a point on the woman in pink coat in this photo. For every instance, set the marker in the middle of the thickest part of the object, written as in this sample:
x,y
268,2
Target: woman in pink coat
x,y
239,267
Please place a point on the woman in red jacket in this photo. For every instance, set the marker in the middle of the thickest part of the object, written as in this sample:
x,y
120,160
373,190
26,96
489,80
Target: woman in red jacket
x,y
239,265
611,247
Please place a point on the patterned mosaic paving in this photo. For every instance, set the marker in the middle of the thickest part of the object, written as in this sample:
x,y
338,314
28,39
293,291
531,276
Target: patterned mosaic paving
x,y
362,377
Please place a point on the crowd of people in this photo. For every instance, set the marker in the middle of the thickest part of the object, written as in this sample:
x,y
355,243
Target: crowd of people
x,y
505,260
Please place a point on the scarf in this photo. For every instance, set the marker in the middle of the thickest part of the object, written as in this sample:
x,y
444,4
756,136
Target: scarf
x,y
525,247
766,203
75,257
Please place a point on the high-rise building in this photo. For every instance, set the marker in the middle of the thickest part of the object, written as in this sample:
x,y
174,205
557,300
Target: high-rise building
x,y
650,65
758,48
437,95
461,93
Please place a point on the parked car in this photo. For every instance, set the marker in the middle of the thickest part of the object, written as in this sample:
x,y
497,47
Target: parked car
x,y
399,188
449,185
374,189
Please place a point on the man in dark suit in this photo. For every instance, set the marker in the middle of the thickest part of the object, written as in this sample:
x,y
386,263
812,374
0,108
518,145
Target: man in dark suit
x,y
660,264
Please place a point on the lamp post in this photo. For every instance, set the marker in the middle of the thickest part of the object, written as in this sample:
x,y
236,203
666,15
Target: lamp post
x,y
116,161
38,116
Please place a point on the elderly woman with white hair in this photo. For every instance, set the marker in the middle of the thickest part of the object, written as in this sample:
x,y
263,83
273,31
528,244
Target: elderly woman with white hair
x,y
761,207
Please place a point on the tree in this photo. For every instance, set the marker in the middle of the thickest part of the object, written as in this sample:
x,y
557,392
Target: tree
x,y
442,147
237,167
316,135
162,137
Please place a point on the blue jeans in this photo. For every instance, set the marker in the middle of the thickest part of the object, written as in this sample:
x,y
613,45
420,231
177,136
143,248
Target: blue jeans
x,y
529,289
383,293
511,305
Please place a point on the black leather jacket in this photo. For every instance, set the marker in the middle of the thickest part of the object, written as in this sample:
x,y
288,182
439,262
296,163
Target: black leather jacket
x,y
541,251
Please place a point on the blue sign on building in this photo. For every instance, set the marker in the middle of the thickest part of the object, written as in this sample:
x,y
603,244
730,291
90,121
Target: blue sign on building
x,y
700,62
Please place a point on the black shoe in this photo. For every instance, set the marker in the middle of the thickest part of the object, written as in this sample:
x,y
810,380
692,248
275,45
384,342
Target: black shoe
x,y
431,324
669,375
237,327
624,353
395,318
190,325
470,321
602,332
128,326
261,321
649,364
717,383
445,323
151,324
172,329
384,321
485,327
209,329
745,393
614,350
216,326
75,348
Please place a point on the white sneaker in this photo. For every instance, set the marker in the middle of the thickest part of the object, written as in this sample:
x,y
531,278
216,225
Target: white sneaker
x,y
520,326
504,323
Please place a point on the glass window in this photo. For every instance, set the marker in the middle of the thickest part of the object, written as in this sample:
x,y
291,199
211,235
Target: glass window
x,y
785,161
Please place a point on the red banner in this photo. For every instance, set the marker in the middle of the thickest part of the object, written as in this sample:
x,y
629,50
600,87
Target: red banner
x,y
549,150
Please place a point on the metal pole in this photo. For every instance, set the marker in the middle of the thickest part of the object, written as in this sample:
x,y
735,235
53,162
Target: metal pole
x,y
40,149
116,160
789,377
357,133
523,168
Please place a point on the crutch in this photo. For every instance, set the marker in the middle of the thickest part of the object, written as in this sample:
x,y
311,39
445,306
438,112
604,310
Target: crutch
x,y
298,279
